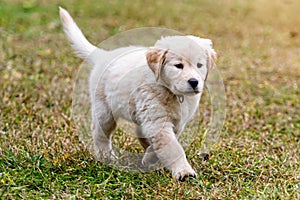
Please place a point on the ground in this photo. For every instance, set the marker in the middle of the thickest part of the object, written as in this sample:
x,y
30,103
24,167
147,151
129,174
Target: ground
x,y
257,156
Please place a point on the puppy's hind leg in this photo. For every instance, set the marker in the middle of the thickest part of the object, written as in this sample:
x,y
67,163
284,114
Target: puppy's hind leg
x,y
142,139
149,159
104,125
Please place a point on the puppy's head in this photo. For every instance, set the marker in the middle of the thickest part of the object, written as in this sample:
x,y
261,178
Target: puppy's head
x,y
181,63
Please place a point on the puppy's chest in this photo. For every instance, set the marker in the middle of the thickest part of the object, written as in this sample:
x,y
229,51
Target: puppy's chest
x,y
155,104
187,110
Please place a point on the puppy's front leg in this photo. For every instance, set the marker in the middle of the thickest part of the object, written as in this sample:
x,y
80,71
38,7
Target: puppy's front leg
x,y
170,153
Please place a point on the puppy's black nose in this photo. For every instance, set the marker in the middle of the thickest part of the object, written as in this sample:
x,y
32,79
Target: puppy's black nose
x,y
193,82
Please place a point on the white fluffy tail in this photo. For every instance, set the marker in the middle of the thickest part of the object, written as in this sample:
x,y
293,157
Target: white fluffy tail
x,y
80,44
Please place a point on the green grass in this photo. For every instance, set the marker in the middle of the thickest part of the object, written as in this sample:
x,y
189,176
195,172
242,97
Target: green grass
x,y
257,156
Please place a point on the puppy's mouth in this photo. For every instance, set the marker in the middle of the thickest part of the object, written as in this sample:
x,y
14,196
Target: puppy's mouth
x,y
196,91
189,92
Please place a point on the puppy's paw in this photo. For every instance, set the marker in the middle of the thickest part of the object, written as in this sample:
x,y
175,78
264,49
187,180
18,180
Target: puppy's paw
x,y
183,174
105,156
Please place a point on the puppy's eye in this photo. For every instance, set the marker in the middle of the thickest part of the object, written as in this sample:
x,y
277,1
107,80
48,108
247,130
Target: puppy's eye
x,y
199,65
179,66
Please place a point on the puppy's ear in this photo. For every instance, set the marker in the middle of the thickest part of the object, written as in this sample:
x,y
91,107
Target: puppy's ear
x,y
155,59
212,58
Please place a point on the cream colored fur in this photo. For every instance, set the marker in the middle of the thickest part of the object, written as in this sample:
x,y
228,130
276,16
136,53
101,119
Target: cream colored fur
x,y
145,86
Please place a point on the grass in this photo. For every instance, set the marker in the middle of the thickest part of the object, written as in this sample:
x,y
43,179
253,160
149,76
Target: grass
x,y
257,156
